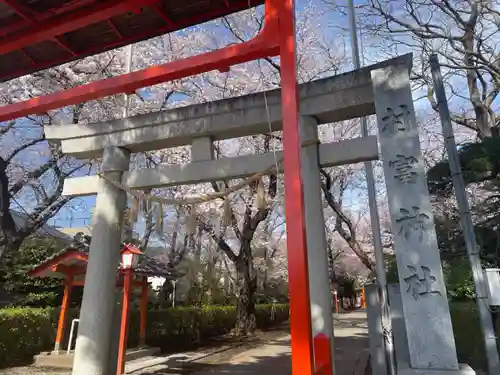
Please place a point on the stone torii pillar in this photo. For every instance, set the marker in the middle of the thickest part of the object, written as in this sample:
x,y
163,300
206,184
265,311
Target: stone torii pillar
x,y
92,352
317,257
427,319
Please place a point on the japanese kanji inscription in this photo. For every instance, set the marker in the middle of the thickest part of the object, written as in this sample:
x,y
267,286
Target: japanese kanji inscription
x,y
419,286
423,292
396,121
404,167
412,221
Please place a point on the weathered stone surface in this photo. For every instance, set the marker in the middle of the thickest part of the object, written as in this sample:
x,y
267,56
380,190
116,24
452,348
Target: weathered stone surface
x,y
425,305
202,149
330,154
377,345
319,274
92,351
398,325
337,98
462,370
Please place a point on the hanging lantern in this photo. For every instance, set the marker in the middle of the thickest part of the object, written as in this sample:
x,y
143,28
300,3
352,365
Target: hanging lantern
x,y
130,256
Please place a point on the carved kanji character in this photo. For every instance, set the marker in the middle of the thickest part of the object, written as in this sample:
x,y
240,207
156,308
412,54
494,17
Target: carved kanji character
x,y
412,221
404,168
396,120
420,286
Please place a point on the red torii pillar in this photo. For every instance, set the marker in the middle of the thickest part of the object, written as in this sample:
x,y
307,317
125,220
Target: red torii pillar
x,y
64,313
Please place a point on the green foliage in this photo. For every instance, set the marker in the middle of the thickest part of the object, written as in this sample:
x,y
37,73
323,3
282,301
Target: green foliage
x,y
348,285
457,275
468,334
42,299
480,162
456,265
458,278
263,315
391,269
14,270
25,332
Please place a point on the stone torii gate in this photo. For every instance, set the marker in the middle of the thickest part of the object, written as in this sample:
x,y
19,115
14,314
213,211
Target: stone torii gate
x,y
383,89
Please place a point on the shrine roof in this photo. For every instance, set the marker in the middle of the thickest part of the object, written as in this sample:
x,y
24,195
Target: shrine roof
x,y
76,255
39,34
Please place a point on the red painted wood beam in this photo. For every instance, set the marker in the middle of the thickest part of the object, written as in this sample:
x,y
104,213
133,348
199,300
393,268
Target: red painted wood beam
x,y
263,45
32,62
68,270
42,268
19,9
64,46
122,348
115,30
28,16
13,27
64,23
24,12
163,15
181,24
63,314
322,355
300,313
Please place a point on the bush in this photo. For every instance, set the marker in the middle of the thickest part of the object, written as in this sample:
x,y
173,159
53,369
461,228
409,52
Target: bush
x,y
25,332
185,327
468,334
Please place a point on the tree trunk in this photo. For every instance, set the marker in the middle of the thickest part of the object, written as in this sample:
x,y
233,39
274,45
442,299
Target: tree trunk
x,y
247,286
9,237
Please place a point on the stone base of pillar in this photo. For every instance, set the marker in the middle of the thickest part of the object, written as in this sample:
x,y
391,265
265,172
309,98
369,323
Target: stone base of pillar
x,y
463,370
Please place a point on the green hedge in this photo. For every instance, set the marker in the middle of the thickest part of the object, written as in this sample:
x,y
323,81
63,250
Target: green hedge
x,y
468,334
25,332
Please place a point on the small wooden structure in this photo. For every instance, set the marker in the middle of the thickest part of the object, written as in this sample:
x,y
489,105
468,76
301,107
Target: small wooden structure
x,y
70,264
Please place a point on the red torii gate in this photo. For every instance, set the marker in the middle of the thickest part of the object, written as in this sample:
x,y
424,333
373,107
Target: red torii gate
x,y
31,28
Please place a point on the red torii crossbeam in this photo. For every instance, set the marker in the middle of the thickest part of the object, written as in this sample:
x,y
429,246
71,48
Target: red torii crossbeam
x,y
276,38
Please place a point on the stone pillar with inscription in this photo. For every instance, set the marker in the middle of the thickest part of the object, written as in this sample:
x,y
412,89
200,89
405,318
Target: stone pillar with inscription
x,y
425,305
